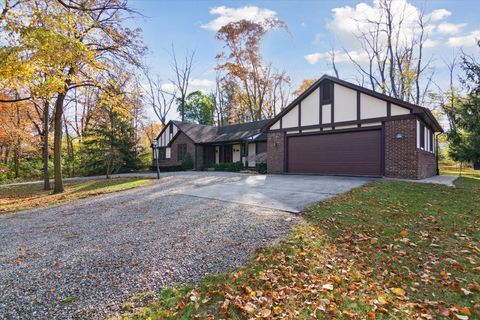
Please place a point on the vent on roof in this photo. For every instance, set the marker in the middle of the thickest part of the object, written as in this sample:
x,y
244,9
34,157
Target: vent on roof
x,y
326,92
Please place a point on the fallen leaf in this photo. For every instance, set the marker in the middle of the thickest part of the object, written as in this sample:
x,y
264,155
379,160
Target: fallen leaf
x,y
465,291
465,311
277,310
265,312
399,292
458,316
249,308
328,286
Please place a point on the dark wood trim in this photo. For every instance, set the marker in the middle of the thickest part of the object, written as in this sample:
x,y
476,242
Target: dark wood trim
x,y
359,110
320,109
285,153
332,104
382,146
281,126
163,129
348,123
389,109
334,131
300,114
175,137
414,109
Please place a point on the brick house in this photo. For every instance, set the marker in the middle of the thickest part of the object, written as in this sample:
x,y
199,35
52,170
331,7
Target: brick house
x,y
336,127
209,145
333,128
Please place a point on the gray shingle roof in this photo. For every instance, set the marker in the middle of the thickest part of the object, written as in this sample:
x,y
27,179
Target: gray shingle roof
x,y
209,134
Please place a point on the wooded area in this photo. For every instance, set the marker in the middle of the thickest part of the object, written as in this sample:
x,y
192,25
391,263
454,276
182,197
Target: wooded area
x,y
75,90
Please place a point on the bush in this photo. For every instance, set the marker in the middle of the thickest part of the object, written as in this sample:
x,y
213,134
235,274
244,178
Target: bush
x,y
262,168
220,166
236,166
231,166
187,162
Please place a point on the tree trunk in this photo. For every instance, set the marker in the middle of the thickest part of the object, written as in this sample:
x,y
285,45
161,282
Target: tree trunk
x,y
16,149
57,143
46,173
16,161
7,153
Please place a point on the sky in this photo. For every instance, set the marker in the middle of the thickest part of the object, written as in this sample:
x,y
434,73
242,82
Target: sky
x,y
314,28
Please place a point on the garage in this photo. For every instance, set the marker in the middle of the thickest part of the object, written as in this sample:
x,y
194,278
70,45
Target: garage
x,y
349,153
339,128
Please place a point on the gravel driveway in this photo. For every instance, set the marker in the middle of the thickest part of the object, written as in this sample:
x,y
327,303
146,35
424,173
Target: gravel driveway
x,y
84,259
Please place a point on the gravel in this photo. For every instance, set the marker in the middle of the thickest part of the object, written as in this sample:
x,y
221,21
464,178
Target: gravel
x,y
85,259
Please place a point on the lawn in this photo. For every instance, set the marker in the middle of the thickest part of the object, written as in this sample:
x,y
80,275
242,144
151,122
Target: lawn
x,y
388,250
32,196
450,167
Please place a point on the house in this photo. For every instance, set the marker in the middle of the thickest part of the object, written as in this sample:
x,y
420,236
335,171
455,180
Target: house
x,y
333,128
336,127
209,145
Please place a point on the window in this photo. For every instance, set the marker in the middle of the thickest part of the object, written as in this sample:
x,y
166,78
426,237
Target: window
x,y
326,88
181,151
168,153
161,153
431,141
422,136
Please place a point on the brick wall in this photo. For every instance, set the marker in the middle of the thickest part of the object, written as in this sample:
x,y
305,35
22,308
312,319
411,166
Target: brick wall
x,y
275,152
173,161
427,164
402,158
401,153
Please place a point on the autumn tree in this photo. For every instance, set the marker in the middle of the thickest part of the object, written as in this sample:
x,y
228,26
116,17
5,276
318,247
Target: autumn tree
x,y
303,86
16,132
242,64
73,41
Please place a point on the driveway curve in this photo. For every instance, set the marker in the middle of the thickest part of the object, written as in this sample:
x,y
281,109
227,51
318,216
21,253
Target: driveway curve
x,y
83,259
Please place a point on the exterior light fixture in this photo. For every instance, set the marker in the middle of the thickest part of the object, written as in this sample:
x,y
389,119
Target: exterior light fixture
x,y
399,136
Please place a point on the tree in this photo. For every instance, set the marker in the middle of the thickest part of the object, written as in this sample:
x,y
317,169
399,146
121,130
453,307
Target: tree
x,y
254,88
73,41
198,108
182,78
16,132
393,41
303,86
160,100
465,134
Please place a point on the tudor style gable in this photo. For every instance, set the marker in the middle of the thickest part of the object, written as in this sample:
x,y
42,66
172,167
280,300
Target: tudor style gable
x,y
335,104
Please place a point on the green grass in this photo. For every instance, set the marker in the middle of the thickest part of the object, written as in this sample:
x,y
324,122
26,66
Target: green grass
x,y
388,250
24,197
453,168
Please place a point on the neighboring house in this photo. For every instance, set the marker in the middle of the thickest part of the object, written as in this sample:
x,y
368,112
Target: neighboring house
x,y
209,145
336,127
333,128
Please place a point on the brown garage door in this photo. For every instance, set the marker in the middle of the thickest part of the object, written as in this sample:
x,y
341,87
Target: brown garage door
x,y
349,153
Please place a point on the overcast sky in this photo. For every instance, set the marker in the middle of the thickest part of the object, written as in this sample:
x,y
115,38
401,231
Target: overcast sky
x,y
315,27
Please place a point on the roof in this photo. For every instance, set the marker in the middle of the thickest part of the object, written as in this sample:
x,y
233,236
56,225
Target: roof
x,y
424,113
210,134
